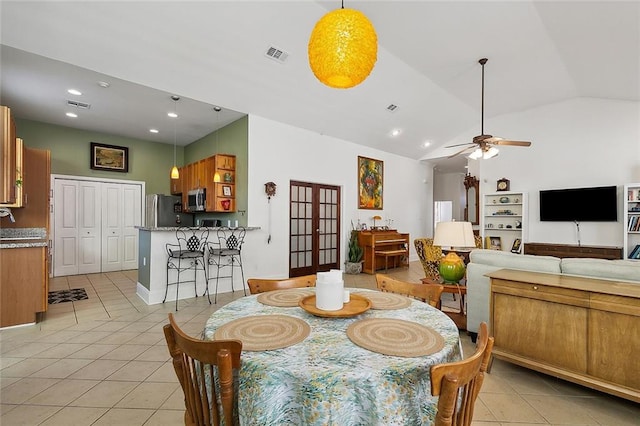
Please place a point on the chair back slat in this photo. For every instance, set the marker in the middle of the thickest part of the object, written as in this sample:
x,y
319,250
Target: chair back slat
x,y
428,293
205,371
260,285
463,378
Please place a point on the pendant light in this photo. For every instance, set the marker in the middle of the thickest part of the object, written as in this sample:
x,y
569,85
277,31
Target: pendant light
x,y
217,109
343,48
175,173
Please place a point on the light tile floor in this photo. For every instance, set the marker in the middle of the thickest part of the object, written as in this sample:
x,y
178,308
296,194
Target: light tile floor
x,y
104,361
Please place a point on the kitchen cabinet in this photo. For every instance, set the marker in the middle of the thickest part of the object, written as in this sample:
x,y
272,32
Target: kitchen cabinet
x,y
221,196
24,284
8,157
19,175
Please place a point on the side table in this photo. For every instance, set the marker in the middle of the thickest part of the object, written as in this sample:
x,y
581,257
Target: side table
x,y
460,317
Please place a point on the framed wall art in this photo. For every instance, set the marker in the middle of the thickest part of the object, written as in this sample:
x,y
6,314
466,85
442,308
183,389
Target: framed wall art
x,y
109,157
370,183
226,191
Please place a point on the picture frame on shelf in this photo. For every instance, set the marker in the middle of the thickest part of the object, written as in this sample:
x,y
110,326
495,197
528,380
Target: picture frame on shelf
x,y
226,190
109,157
370,183
495,243
517,246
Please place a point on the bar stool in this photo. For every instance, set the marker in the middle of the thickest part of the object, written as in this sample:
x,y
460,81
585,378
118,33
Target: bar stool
x,y
227,252
187,254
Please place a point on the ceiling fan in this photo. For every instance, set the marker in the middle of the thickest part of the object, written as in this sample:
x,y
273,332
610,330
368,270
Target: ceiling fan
x,y
483,146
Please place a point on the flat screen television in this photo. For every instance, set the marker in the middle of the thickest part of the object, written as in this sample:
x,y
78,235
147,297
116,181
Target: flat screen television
x,y
596,204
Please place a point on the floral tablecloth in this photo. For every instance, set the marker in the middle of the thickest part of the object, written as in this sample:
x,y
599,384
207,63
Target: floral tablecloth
x,y
328,380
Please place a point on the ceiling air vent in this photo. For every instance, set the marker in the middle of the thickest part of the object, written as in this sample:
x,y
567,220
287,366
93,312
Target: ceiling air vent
x,y
77,104
276,54
392,108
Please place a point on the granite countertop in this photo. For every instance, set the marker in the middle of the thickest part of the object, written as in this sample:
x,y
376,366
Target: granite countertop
x,y
174,228
23,238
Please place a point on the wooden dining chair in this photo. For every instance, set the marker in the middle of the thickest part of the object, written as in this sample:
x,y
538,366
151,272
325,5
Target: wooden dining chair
x,y
197,363
428,293
260,285
468,375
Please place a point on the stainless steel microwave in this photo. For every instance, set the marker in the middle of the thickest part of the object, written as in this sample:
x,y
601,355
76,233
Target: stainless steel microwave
x,y
197,199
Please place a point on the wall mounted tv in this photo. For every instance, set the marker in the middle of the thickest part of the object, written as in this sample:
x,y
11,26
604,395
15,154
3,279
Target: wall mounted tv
x,y
597,204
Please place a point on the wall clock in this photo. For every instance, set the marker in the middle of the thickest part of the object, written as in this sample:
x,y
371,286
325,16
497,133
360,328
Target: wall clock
x,y
503,184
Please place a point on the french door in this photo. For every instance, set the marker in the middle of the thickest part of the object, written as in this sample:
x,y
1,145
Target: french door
x,y
314,228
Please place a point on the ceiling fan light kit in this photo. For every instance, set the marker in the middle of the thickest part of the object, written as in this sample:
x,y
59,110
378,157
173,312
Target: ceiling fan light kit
x,y
343,48
485,144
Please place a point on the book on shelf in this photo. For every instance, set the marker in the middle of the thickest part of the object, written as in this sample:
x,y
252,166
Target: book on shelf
x,y
633,223
635,253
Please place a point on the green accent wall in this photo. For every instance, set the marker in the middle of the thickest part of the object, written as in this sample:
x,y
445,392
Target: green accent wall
x,y
150,162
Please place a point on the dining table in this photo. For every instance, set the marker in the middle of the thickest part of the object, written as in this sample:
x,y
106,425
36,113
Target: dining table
x,y
369,365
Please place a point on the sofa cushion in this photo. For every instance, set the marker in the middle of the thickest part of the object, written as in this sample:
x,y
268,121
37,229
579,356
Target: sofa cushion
x,y
625,270
507,260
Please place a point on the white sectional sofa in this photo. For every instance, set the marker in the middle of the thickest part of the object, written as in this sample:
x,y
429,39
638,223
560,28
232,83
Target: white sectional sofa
x,y
483,261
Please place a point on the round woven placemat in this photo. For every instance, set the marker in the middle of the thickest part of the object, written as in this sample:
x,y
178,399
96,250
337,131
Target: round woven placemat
x,y
284,298
380,300
389,336
264,332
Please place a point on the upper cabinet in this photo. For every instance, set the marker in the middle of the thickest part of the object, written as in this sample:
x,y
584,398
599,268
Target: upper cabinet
x,y
8,159
220,195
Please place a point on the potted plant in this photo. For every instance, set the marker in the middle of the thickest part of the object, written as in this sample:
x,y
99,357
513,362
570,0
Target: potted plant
x,y
353,265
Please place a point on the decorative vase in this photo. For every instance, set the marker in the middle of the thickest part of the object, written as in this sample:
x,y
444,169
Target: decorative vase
x,y
226,204
352,268
451,268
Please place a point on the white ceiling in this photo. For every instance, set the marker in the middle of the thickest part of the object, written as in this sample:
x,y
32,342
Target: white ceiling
x,y
213,53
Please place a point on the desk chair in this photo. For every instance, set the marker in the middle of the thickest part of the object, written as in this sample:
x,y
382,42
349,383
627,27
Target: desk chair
x,y
188,253
206,401
428,293
259,285
464,377
227,253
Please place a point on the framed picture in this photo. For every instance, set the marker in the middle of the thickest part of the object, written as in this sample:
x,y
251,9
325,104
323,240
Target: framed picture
x,y
226,191
495,243
370,183
109,157
517,244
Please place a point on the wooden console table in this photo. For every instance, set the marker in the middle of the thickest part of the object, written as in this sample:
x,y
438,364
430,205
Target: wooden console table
x,y
580,329
568,250
383,250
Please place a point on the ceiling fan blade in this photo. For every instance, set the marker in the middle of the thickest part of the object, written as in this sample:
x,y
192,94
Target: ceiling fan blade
x,y
460,144
461,151
500,141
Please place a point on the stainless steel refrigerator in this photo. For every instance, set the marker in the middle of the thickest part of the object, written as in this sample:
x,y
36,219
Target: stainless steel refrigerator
x,y
166,210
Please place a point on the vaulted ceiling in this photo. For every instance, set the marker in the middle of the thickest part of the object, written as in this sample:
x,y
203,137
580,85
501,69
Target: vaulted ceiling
x,y
213,53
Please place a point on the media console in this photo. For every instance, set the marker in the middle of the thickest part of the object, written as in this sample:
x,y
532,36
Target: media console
x,y
568,250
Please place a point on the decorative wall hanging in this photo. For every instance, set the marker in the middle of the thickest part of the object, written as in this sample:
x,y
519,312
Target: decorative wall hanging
x,y
270,190
370,183
109,157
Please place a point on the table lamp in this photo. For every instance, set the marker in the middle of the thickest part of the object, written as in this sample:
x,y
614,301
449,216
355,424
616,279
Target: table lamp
x,y
454,235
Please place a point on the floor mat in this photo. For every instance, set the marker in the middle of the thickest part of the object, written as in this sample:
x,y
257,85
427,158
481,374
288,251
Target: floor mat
x,y
61,296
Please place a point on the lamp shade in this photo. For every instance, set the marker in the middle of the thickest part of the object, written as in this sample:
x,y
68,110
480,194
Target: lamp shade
x,y
175,173
343,48
454,234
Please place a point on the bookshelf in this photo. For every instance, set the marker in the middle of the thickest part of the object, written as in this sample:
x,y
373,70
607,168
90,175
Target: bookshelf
x,y
631,221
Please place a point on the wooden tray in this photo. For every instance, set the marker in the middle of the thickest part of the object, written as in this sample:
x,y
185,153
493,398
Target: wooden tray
x,y
356,306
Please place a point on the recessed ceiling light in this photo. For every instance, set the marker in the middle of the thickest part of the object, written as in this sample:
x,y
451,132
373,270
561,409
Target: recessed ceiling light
x,y
395,132
75,92
172,115
72,115
153,130
103,84
426,144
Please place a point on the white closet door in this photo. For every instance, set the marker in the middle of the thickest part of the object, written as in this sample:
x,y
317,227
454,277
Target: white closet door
x,y
132,217
89,232
112,218
65,245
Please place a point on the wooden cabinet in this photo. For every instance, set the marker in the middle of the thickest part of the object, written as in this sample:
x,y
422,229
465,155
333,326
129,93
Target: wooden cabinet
x,y
7,157
569,250
631,221
383,250
504,219
221,196
583,330
19,185
23,285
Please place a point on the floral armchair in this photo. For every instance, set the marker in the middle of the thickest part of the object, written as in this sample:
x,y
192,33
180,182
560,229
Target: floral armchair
x,y
429,255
